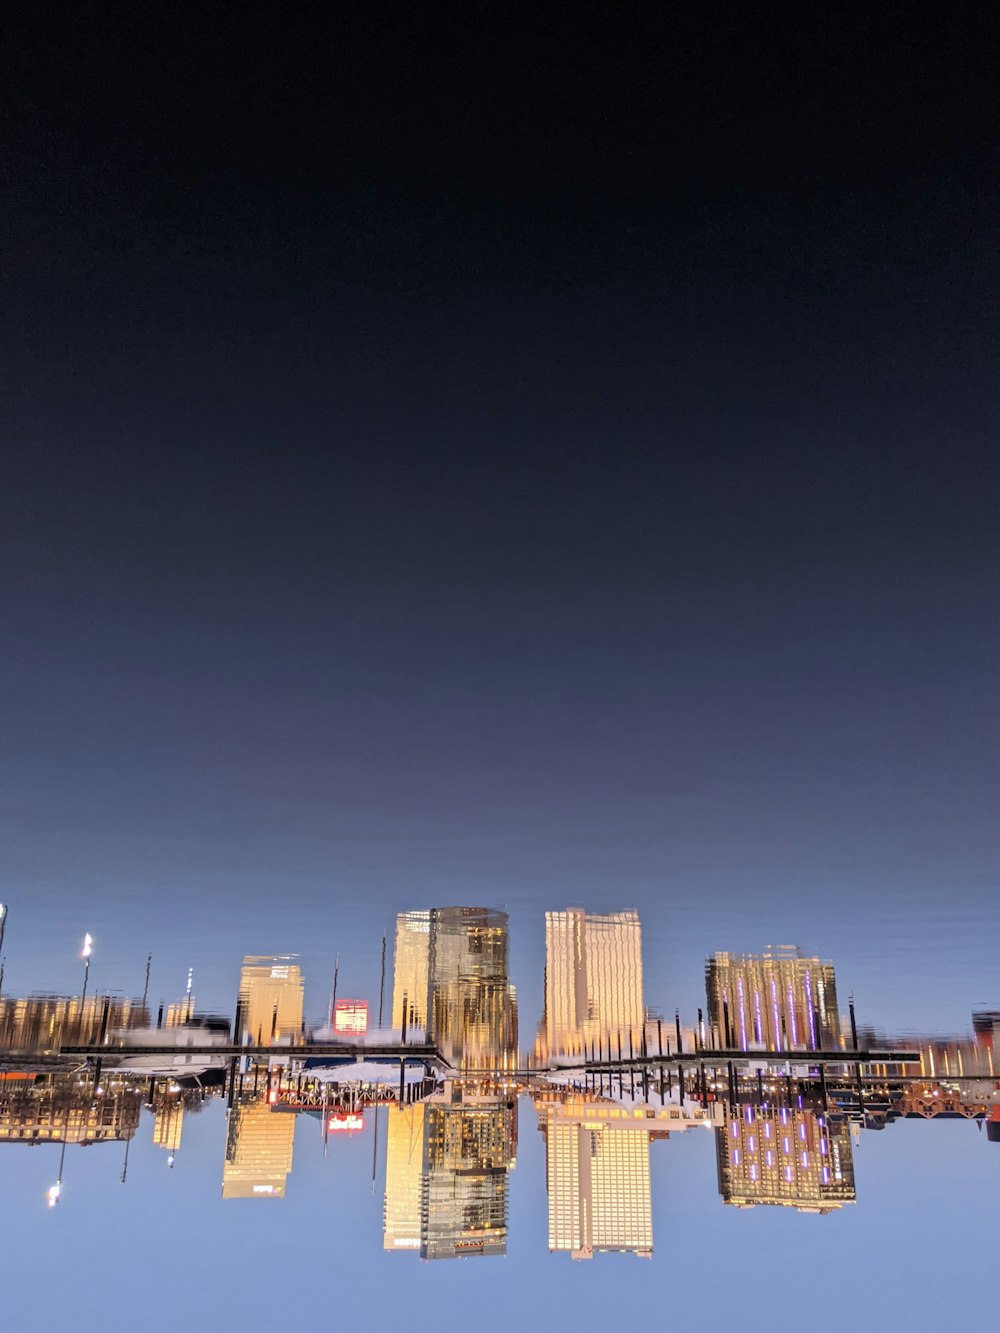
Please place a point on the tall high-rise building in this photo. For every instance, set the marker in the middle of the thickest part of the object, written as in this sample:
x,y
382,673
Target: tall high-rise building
x,y
271,999
598,1179
404,1158
409,983
593,981
259,1145
775,1001
468,1148
791,1157
472,1012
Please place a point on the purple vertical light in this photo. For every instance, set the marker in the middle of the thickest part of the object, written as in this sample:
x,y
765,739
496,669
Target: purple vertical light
x,y
774,1014
809,1012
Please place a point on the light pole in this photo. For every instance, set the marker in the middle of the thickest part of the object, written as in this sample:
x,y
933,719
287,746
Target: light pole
x,y
3,931
88,949
54,1191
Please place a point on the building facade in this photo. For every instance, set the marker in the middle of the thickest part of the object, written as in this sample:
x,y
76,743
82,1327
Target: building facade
x,y
593,982
410,977
775,1001
450,981
271,999
471,1006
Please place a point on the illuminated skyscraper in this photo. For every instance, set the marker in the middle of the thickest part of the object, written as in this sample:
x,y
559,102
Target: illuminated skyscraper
x,y
593,980
451,974
776,1001
468,1148
785,1156
404,1159
271,999
597,1174
259,1147
409,984
472,1013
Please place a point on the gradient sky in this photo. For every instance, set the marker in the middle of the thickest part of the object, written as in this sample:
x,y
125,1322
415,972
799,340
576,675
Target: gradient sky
x,y
482,453
917,1247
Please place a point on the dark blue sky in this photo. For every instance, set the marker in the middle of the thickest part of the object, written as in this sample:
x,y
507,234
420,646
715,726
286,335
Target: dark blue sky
x,y
456,457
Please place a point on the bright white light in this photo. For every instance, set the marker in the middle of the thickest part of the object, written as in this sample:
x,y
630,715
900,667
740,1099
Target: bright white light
x,y
53,1193
88,946
3,912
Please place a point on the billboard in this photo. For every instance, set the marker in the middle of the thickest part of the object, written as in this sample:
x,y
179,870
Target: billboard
x,y
350,1016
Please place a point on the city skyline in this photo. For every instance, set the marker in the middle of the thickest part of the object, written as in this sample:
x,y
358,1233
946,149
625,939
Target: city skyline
x,y
499,640
777,999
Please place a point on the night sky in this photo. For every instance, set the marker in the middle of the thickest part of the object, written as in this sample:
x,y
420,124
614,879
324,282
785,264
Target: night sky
x,y
501,452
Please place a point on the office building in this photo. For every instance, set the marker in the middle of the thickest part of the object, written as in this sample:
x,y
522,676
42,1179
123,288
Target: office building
x,y
775,1001
593,982
472,1010
271,999
45,1022
409,985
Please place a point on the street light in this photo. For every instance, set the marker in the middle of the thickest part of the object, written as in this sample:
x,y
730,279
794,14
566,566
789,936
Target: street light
x,y
88,949
3,931
54,1191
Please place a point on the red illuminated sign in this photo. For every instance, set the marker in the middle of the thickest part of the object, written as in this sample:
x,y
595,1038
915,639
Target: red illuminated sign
x,y
350,1016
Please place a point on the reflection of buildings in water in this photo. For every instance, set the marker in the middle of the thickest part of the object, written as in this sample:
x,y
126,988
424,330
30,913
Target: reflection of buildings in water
x,y
469,1144
776,1001
258,1152
966,1098
46,1022
404,1158
409,985
599,1195
786,1156
593,981
271,999
458,955
597,1175
61,1109
168,1119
